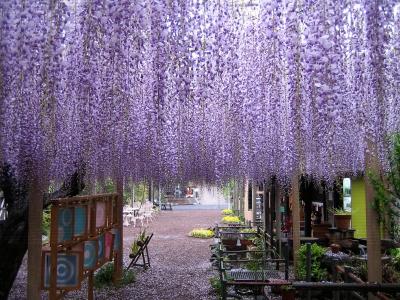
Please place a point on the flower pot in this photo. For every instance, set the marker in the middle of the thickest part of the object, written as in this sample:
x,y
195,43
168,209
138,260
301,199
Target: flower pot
x,y
288,294
342,221
335,248
276,285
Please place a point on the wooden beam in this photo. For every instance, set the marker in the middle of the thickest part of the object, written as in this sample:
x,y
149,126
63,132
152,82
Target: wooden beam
x,y
119,263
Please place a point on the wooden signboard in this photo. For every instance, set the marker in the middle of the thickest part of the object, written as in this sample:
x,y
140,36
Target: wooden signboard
x,y
68,270
85,235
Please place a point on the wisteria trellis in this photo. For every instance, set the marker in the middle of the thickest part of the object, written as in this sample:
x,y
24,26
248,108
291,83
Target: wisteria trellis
x,y
196,89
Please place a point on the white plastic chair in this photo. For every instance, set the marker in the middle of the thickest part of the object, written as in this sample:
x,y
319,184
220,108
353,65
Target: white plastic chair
x,y
139,217
125,221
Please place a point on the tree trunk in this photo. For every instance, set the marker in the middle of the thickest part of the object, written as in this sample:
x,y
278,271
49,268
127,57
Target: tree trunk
x,y
14,235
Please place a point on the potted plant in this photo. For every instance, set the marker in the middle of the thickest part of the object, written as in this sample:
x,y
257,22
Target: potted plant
x,y
231,220
276,285
342,217
229,238
227,211
288,292
137,243
202,233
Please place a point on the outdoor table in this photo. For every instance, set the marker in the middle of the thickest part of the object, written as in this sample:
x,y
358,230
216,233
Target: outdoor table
x,y
135,211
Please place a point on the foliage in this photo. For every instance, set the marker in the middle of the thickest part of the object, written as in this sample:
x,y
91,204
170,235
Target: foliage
x,y
395,253
46,220
339,211
229,229
229,235
105,276
139,239
254,265
231,219
287,287
227,211
387,190
259,242
390,268
317,272
248,230
201,233
216,284
360,269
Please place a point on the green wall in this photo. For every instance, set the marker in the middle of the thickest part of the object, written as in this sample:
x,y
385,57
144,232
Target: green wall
x,y
358,219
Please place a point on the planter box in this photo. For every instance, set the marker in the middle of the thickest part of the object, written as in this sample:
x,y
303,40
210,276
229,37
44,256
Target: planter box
x,y
246,242
228,242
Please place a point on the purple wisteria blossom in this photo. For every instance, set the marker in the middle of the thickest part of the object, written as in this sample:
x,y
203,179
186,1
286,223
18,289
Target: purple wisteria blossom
x,y
197,90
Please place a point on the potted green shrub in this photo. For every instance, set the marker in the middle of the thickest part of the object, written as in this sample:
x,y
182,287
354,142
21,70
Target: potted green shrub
x,y
317,272
288,292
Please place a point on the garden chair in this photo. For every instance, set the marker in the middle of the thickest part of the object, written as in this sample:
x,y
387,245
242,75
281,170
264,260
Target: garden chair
x,y
140,216
125,221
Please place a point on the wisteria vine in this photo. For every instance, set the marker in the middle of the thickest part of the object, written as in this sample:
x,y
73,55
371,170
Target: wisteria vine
x,y
196,89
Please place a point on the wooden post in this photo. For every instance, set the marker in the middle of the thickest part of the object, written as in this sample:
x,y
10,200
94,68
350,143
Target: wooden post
x,y
265,207
278,223
34,238
373,228
90,285
253,201
54,252
118,262
296,217
246,198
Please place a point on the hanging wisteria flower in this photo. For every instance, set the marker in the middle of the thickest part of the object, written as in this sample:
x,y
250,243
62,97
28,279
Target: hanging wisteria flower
x,y
197,90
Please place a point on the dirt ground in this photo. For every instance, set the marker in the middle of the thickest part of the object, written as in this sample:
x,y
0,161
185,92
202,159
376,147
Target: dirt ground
x,y
180,265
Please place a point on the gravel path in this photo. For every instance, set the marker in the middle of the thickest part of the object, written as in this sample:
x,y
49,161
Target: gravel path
x,y
180,265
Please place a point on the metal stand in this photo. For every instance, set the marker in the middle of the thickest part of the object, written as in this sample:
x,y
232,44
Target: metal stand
x,y
143,253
